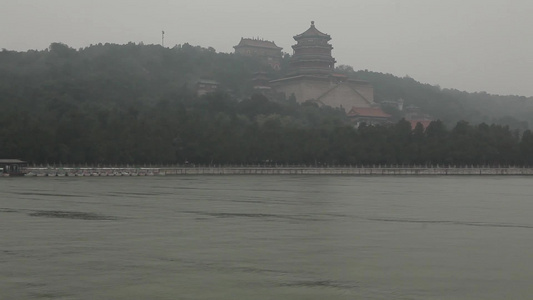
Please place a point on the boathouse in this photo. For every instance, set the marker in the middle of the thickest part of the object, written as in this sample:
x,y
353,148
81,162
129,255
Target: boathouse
x,y
13,167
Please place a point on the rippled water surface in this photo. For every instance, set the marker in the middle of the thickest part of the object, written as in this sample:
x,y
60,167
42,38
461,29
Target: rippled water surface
x,y
266,237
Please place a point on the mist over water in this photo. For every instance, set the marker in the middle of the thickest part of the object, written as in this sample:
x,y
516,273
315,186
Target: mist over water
x,y
266,237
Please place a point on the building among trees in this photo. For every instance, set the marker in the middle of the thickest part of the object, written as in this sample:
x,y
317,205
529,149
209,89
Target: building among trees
x,y
206,86
415,115
267,51
368,115
311,77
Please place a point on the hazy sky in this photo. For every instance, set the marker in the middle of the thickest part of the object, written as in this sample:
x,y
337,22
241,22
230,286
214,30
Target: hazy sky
x,y
472,45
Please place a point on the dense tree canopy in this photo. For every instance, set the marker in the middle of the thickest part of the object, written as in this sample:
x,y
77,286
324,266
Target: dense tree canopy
x,y
135,104
450,105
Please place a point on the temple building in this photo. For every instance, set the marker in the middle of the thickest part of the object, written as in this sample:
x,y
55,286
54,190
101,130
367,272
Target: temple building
x,y
206,86
415,115
312,54
311,76
368,115
267,51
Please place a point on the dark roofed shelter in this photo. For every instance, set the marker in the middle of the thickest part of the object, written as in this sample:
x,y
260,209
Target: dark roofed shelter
x,y
13,167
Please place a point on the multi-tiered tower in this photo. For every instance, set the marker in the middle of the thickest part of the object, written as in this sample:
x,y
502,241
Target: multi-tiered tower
x,y
311,75
312,53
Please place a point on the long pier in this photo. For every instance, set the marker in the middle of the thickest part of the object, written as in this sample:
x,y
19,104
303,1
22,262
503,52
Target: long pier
x,y
277,170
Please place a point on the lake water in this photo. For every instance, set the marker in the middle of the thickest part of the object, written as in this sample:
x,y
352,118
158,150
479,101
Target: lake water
x,y
266,237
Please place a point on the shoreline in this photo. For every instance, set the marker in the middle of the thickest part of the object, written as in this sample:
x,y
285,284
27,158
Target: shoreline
x,y
281,170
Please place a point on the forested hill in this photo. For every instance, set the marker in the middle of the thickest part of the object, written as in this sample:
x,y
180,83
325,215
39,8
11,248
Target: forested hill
x,y
137,103
124,74
116,74
450,105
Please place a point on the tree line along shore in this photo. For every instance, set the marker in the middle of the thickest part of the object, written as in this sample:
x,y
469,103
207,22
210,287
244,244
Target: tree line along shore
x,y
135,104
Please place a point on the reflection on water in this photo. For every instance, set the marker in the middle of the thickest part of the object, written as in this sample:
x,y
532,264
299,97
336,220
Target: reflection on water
x,y
266,237
59,214
70,215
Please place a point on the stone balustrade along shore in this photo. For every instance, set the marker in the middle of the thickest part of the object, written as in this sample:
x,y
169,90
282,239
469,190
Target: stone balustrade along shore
x,y
275,170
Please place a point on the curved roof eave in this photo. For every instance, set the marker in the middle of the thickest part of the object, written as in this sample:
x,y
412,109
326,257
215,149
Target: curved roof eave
x,y
312,32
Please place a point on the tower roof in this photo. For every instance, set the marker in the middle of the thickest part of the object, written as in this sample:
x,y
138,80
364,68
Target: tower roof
x,y
312,32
